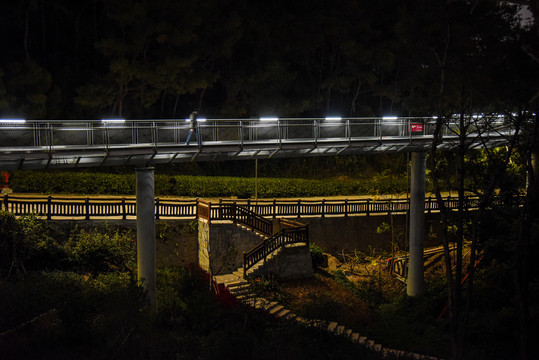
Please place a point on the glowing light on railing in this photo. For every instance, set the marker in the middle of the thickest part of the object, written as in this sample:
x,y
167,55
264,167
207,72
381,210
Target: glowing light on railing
x,y
113,120
12,121
269,118
334,118
435,117
389,118
201,119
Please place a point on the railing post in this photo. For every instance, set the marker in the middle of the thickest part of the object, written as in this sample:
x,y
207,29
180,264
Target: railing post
x,y
6,202
345,207
87,207
323,208
49,207
196,208
234,213
368,207
124,210
157,208
209,212
244,265
299,208
274,208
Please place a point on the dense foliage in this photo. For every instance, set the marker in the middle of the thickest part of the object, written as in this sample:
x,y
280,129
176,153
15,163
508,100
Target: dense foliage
x,y
141,59
202,186
29,244
89,306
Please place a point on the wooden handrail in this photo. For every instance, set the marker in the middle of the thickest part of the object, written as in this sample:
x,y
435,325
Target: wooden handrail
x,y
88,207
293,235
236,213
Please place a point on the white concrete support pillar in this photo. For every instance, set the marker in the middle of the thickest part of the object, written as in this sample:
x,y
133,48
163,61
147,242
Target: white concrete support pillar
x,y
146,233
416,279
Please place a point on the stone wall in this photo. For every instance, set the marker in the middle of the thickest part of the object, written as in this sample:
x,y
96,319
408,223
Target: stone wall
x,y
291,262
222,244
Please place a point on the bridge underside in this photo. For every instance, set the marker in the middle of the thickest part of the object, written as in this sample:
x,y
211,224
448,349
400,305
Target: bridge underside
x,y
148,154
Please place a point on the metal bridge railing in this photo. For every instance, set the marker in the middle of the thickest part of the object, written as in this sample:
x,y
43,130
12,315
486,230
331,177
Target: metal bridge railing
x,y
80,134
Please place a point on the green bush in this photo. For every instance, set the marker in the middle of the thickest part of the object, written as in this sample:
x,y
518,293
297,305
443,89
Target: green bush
x,y
42,250
201,186
11,247
317,255
96,252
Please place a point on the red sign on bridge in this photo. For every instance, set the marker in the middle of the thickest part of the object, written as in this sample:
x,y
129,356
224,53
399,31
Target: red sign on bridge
x,y
416,127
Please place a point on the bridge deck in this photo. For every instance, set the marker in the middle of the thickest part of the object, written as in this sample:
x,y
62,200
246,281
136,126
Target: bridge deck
x,y
38,144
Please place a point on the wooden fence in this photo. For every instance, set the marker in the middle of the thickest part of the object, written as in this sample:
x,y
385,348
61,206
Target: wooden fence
x,y
93,207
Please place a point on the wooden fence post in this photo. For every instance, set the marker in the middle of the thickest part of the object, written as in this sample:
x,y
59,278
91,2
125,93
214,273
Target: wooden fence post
x,y
87,207
124,210
49,207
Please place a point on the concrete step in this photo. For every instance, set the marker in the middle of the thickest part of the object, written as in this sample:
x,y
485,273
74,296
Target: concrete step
x,y
270,305
339,330
238,273
283,313
228,278
291,316
276,309
354,337
245,297
238,288
347,333
332,326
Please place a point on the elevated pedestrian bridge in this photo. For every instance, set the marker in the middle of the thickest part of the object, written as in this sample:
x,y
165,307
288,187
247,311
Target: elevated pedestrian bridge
x,y
46,144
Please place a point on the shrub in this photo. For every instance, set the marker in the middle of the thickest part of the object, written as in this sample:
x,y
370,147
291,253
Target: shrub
x,y
202,186
95,252
317,255
11,247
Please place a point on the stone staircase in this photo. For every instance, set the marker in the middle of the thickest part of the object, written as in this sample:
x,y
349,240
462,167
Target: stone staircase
x,y
241,290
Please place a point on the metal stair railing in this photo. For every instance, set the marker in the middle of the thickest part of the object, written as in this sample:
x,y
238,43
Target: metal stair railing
x,y
287,235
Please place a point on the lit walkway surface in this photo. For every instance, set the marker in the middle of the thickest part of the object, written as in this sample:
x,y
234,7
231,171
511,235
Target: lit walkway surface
x,y
43,144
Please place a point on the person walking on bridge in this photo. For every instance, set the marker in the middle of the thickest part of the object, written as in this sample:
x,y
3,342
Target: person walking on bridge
x,y
193,125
